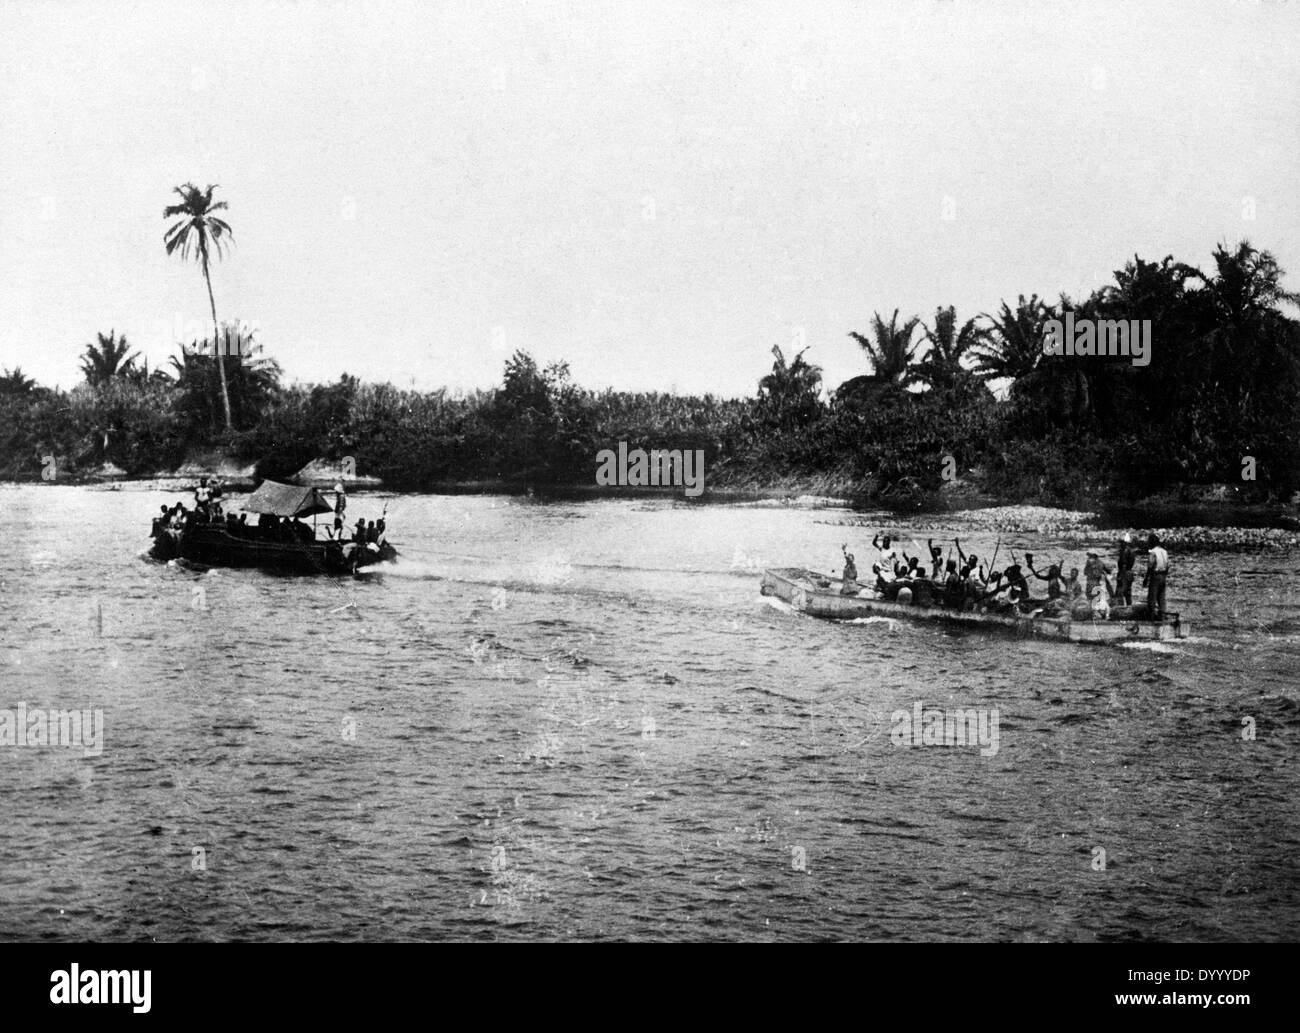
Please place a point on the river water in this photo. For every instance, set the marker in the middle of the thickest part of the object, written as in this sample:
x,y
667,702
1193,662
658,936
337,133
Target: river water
x,y
582,721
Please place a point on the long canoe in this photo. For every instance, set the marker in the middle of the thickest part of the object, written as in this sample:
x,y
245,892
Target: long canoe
x,y
805,591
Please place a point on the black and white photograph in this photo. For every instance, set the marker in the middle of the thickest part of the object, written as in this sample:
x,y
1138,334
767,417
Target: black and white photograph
x,y
695,472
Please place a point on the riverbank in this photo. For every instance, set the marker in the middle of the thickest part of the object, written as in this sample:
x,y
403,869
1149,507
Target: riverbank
x,y
1025,523
1194,528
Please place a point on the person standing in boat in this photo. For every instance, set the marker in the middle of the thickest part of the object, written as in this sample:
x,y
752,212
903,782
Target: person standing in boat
x,y
203,499
1157,576
1095,573
953,592
340,507
850,586
888,554
1124,571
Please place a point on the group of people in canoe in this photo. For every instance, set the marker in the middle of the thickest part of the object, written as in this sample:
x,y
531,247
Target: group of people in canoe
x,y
207,511
1101,591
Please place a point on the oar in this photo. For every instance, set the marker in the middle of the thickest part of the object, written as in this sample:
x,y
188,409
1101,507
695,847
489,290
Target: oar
x,y
994,560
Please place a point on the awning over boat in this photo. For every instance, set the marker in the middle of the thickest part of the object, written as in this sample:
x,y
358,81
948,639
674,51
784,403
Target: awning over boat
x,y
288,500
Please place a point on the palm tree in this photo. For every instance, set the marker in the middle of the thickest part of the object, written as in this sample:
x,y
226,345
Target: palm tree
x,y
200,232
254,382
790,390
1012,345
1248,288
941,366
1248,351
15,382
110,359
892,351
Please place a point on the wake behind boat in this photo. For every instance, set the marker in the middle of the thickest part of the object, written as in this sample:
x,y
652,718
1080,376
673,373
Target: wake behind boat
x,y
280,540
820,595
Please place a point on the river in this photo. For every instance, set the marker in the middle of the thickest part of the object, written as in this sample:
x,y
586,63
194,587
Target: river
x,y
582,721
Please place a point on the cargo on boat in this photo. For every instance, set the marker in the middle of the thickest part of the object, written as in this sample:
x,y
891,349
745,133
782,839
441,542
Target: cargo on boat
x,y
279,541
819,595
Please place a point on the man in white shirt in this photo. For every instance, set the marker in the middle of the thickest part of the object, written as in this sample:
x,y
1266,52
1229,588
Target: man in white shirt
x,y
1157,576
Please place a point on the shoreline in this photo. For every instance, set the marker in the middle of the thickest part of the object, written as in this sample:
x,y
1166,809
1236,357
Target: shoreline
x,y
1189,526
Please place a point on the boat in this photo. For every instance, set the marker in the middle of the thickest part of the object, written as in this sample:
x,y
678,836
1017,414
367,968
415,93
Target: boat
x,y
212,544
819,595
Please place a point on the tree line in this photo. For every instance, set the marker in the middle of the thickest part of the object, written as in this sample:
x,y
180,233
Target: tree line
x,y
1222,387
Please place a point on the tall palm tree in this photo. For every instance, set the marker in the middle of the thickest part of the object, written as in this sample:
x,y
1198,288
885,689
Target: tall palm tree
x,y
199,232
107,359
941,366
890,349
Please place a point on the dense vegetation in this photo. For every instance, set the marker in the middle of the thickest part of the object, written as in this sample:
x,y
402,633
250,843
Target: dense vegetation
x,y
1223,383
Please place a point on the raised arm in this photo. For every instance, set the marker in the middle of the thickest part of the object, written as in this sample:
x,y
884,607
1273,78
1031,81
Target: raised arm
x,y
1029,562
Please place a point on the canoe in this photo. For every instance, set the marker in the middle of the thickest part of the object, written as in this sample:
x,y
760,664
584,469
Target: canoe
x,y
803,590
214,545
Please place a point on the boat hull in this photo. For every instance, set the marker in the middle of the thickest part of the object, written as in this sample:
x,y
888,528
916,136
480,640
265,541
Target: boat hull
x,y
216,547
803,590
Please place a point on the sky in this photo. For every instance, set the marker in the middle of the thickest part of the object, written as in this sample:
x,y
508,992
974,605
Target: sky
x,y
657,193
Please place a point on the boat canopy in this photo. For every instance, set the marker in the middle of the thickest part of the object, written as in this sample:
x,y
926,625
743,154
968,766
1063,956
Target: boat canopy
x,y
287,500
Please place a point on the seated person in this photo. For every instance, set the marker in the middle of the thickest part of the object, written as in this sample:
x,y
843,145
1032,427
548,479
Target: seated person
x,y
1070,586
922,592
1100,603
936,559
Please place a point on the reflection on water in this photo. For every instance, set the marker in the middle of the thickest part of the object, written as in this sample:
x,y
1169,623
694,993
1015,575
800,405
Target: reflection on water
x,y
583,721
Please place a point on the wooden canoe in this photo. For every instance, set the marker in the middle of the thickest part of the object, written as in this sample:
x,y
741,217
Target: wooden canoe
x,y
803,590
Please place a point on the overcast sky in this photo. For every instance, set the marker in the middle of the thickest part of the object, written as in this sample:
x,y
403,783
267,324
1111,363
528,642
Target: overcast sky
x,y
657,193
